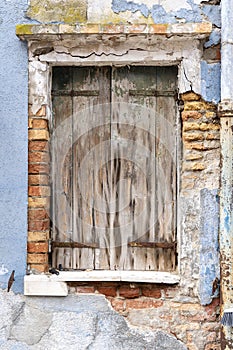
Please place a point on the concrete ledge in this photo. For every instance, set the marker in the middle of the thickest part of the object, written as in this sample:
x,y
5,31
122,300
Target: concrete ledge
x,y
38,31
55,285
44,286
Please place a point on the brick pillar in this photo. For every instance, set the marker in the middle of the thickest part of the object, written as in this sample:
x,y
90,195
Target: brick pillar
x,y
201,141
38,190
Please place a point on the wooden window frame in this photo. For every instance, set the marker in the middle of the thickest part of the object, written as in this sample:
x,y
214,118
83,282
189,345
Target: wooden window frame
x,y
174,51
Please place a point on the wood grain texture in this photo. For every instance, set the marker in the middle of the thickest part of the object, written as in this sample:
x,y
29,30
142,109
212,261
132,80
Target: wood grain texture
x,y
119,175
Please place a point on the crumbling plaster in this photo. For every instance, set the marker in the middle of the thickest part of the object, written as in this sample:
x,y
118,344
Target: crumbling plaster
x,y
52,323
118,11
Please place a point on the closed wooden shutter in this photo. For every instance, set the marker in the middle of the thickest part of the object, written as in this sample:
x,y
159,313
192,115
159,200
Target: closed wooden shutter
x,y
114,168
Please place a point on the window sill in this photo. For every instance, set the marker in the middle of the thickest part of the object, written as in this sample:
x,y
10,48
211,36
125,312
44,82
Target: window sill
x,y
49,31
55,285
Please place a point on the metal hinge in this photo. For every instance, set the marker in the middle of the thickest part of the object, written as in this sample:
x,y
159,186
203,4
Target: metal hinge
x,y
71,244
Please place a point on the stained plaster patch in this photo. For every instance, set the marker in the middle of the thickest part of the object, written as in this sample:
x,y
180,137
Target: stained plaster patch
x,y
48,11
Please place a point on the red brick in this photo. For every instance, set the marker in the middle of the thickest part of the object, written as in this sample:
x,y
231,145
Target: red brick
x,y
128,292
142,303
39,191
191,115
38,202
38,157
38,214
38,169
37,247
151,292
38,135
85,289
41,268
171,292
33,258
35,123
108,291
37,236
38,179
38,146
117,304
38,225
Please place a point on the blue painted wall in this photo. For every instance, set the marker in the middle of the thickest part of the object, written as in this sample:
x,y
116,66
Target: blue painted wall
x,y
211,81
209,246
13,143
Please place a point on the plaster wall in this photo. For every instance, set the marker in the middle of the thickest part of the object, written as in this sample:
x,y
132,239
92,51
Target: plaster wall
x,y
199,192
13,143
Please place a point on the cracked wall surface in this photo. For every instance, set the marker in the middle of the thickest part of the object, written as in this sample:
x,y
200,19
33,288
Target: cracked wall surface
x,y
75,322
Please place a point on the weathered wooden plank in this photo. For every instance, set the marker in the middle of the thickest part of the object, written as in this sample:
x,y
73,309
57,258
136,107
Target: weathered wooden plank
x,y
166,165
62,165
133,135
120,176
91,115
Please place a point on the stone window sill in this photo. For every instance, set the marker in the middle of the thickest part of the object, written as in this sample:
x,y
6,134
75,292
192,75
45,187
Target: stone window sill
x,y
55,285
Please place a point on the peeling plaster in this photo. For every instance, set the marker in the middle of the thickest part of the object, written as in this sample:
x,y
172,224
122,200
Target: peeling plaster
x,y
38,77
213,14
214,38
209,248
75,322
120,51
211,81
125,5
161,12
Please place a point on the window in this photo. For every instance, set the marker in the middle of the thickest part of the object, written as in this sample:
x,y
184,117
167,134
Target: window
x,y
114,168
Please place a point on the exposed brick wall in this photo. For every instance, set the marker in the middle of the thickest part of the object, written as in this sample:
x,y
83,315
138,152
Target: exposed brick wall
x,y
38,190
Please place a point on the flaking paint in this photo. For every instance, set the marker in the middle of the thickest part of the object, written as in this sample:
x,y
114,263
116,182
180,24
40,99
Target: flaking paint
x,y
211,81
209,247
